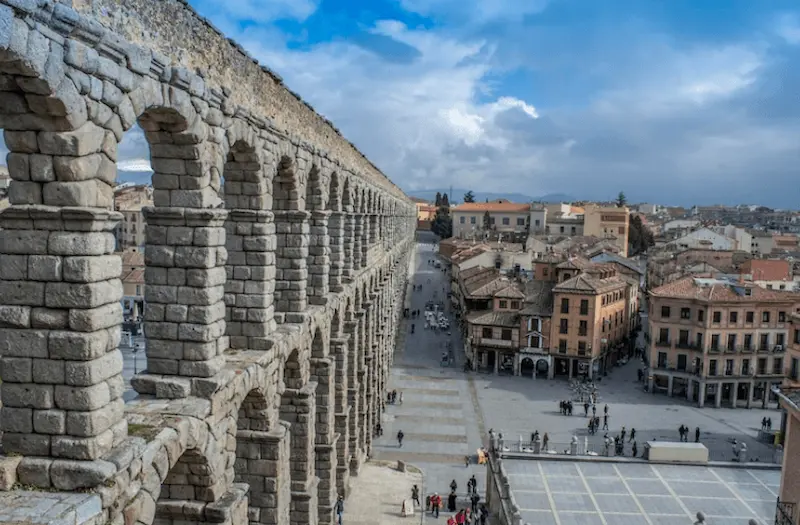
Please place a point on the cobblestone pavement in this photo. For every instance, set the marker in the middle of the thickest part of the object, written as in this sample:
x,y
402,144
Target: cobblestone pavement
x,y
379,491
446,412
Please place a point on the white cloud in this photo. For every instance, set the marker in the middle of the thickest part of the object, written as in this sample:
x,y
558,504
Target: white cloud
x,y
477,10
258,10
138,165
788,28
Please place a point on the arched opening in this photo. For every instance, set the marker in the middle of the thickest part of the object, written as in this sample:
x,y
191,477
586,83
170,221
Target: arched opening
x,y
291,246
542,368
339,352
298,411
348,233
262,460
249,230
526,367
323,369
335,234
318,260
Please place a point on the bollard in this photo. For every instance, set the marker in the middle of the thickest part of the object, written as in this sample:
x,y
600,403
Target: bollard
x,y
401,466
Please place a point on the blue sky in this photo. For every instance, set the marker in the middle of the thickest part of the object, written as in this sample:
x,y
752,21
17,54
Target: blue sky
x,y
675,101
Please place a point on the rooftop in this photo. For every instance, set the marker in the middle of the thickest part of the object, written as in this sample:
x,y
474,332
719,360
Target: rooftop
x,y
492,318
721,290
585,283
538,298
511,207
636,493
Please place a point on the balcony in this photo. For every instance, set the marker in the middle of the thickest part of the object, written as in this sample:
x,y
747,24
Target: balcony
x,y
498,343
784,513
714,350
663,342
688,345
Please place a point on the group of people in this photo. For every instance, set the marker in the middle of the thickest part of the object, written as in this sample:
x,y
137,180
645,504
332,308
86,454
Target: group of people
x,y
566,408
393,397
683,432
475,513
766,423
619,444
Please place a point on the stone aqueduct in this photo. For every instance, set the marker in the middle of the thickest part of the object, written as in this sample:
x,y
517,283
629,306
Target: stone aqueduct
x,y
276,256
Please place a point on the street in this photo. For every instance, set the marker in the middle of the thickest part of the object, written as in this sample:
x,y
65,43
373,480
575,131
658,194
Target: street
x,y
446,413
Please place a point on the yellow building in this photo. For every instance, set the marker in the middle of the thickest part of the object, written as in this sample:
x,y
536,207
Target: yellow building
x,y
719,341
129,201
608,223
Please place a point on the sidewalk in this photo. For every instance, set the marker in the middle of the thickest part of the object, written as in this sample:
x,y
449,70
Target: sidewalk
x,y
378,493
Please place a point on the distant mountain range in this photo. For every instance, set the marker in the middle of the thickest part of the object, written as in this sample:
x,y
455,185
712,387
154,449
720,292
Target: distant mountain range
x,y
482,196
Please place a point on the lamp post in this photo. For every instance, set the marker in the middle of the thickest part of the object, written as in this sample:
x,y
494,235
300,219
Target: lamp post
x,y
136,348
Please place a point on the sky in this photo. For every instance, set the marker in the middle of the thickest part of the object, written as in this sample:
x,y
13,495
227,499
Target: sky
x,y
671,101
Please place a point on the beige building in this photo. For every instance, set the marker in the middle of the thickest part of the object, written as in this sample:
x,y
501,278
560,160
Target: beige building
x,y
786,511
129,201
608,222
717,341
472,218
589,318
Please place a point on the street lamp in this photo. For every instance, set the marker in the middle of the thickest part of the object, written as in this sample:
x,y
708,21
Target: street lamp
x,y
136,348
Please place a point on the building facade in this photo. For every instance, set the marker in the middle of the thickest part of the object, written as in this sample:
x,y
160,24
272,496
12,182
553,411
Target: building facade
x,y
608,222
472,218
715,342
130,201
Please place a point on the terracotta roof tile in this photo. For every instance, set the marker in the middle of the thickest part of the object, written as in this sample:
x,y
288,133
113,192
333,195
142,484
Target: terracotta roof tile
x,y
715,290
510,207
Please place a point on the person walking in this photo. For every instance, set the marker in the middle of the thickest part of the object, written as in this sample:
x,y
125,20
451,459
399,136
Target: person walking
x,y
415,496
401,398
605,410
594,410
633,435
451,501
400,437
484,514
634,450
453,485
622,434
474,500
697,435
436,502
545,440
605,422
586,409
339,510
473,483
466,461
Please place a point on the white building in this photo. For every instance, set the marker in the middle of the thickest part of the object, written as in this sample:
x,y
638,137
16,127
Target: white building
x,y
742,238
649,209
704,238
680,224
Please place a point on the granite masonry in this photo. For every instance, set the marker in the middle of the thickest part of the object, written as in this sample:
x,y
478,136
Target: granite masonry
x,y
276,260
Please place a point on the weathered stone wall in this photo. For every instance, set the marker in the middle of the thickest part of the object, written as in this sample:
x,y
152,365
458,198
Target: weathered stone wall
x,y
272,303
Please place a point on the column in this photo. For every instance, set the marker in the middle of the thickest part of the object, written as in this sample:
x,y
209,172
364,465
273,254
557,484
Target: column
x,y
292,239
358,233
323,372
184,290
734,394
340,352
250,278
690,390
701,398
60,322
354,364
718,397
750,394
349,246
298,408
670,381
318,258
363,380
765,395
336,233
263,460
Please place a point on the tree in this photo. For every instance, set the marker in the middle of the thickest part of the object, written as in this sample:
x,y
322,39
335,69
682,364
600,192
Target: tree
x,y
469,196
445,200
640,238
621,200
487,220
438,199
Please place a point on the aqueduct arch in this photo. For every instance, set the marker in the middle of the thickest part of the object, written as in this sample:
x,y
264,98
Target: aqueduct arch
x,y
276,258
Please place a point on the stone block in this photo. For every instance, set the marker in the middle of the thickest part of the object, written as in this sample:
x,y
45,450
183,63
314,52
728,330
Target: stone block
x,y
194,257
49,421
78,143
94,319
20,141
83,295
44,268
18,420
19,168
201,368
92,423
24,192
164,349
91,269
47,371
8,471
26,444
172,388
14,267
25,242
88,373
73,475
206,277
15,316
42,168
19,342
78,346
84,448
80,243
81,398
34,471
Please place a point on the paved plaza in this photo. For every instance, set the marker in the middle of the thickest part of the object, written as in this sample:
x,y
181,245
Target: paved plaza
x,y
378,494
614,493
446,413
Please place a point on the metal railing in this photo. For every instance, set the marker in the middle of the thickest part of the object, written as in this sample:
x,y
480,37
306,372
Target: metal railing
x,y
784,513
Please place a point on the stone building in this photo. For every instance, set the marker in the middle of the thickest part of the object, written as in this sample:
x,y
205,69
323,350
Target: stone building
x,y
276,256
493,335
608,222
472,219
130,201
716,341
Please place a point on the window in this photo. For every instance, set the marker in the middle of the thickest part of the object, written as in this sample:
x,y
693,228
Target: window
x,y
715,342
487,333
683,338
781,317
686,313
562,346
748,317
537,223
505,335
733,317
622,230
663,336
515,305
562,229
729,367
731,341
520,221
138,289
662,360
762,365
716,317
583,328
491,221
506,221
780,340
584,307
503,303
581,348
564,306
764,342
472,220
462,219
764,317
701,315
777,365
562,328
797,335
748,341
712,367
572,230
545,271
665,312
534,341
699,340
745,367
682,362
793,371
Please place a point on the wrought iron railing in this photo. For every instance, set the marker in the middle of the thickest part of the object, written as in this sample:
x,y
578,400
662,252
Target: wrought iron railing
x,y
784,513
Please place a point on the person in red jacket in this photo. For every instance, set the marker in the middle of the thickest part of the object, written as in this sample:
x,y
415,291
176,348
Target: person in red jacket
x,y
436,502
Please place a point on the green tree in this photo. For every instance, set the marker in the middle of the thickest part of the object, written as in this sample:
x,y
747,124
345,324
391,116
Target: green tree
x,y
438,199
621,200
445,200
487,220
469,196
640,238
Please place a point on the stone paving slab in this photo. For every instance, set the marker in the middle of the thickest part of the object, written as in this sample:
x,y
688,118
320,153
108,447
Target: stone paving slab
x,y
379,490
